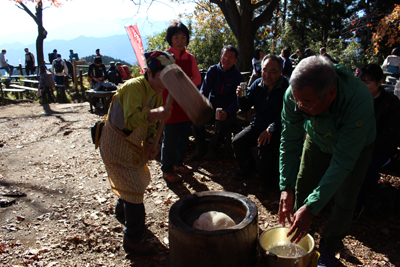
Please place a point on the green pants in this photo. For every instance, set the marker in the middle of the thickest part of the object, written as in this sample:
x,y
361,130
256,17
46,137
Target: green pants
x,y
313,166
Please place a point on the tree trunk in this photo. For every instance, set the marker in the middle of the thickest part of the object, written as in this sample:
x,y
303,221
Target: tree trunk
x,y
42,34
246,49
244,26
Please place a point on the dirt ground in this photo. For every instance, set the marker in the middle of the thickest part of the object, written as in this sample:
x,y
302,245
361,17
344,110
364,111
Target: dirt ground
x,y
57,205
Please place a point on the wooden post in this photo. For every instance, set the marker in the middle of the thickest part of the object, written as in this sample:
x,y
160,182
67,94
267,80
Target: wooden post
x,y
81,82
20,69
74,73
75,63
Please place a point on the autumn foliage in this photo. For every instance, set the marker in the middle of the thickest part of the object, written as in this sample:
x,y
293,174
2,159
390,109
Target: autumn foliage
x,y
388,31
55,3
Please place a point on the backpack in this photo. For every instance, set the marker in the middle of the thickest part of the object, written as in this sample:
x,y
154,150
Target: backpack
x,y
113,76
58,66
51,57
108,86
69,67
48,81
128,72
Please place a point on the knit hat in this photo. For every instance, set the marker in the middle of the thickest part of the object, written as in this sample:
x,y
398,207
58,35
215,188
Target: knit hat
x,y
159,59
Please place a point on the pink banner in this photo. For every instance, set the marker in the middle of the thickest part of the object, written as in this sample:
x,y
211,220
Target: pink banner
x,y
136,41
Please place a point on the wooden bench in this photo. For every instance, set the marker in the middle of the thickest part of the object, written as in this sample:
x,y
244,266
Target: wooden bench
x,y
59,87
31,83
23,87
105,95
14,90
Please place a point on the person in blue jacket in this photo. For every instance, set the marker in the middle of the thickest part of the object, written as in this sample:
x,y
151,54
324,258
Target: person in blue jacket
x,y
266,95
219,87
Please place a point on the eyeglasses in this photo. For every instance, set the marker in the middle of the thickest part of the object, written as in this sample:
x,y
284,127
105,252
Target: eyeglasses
x,y
306,106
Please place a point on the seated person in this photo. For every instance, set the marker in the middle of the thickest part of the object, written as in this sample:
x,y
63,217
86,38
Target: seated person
x,y
4,63
124,75
256,62
97,73
219,87
392,63
387,114
113,74
266,95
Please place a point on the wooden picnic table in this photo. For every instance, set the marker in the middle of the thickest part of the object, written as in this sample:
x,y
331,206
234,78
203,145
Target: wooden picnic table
x,y
105,95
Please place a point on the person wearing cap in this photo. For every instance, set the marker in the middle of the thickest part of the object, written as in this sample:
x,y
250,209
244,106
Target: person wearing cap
x,y
113,74
73,55
55,53
126,145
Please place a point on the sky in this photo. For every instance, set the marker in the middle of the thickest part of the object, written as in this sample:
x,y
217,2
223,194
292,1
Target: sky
x,y
92,18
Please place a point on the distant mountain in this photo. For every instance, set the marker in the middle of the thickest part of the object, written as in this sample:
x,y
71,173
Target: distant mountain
x,y
116,46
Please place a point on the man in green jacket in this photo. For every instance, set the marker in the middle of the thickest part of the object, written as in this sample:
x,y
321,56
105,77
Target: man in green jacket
x,y
336,112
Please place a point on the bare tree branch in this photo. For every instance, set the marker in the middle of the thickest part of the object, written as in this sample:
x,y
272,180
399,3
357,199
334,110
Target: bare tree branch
x,y
23,7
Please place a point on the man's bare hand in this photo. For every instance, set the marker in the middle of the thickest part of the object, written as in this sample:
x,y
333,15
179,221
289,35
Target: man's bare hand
x,y
302,220
150,142
239,91
222,115
264,138
286,207
160,113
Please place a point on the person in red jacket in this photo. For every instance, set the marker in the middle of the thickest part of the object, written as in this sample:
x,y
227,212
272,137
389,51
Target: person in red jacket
x,y
178,128
124,75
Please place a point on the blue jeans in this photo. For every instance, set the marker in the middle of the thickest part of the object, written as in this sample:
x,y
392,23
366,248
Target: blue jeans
x,y
174,146
9,69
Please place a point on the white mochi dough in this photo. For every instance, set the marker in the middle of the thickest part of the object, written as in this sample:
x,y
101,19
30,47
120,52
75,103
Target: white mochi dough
x,y
212,221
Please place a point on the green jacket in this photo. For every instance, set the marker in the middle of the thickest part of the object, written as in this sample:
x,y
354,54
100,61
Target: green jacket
x,y
127,112
342,131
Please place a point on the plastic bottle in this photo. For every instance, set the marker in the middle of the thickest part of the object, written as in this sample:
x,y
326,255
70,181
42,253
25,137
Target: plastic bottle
x,y
397,89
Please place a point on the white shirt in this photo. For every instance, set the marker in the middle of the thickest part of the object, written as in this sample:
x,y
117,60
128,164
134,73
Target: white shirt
x,y
3,61
53,68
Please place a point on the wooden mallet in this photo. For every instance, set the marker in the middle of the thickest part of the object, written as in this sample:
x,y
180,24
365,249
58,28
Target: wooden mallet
x,y
182,90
